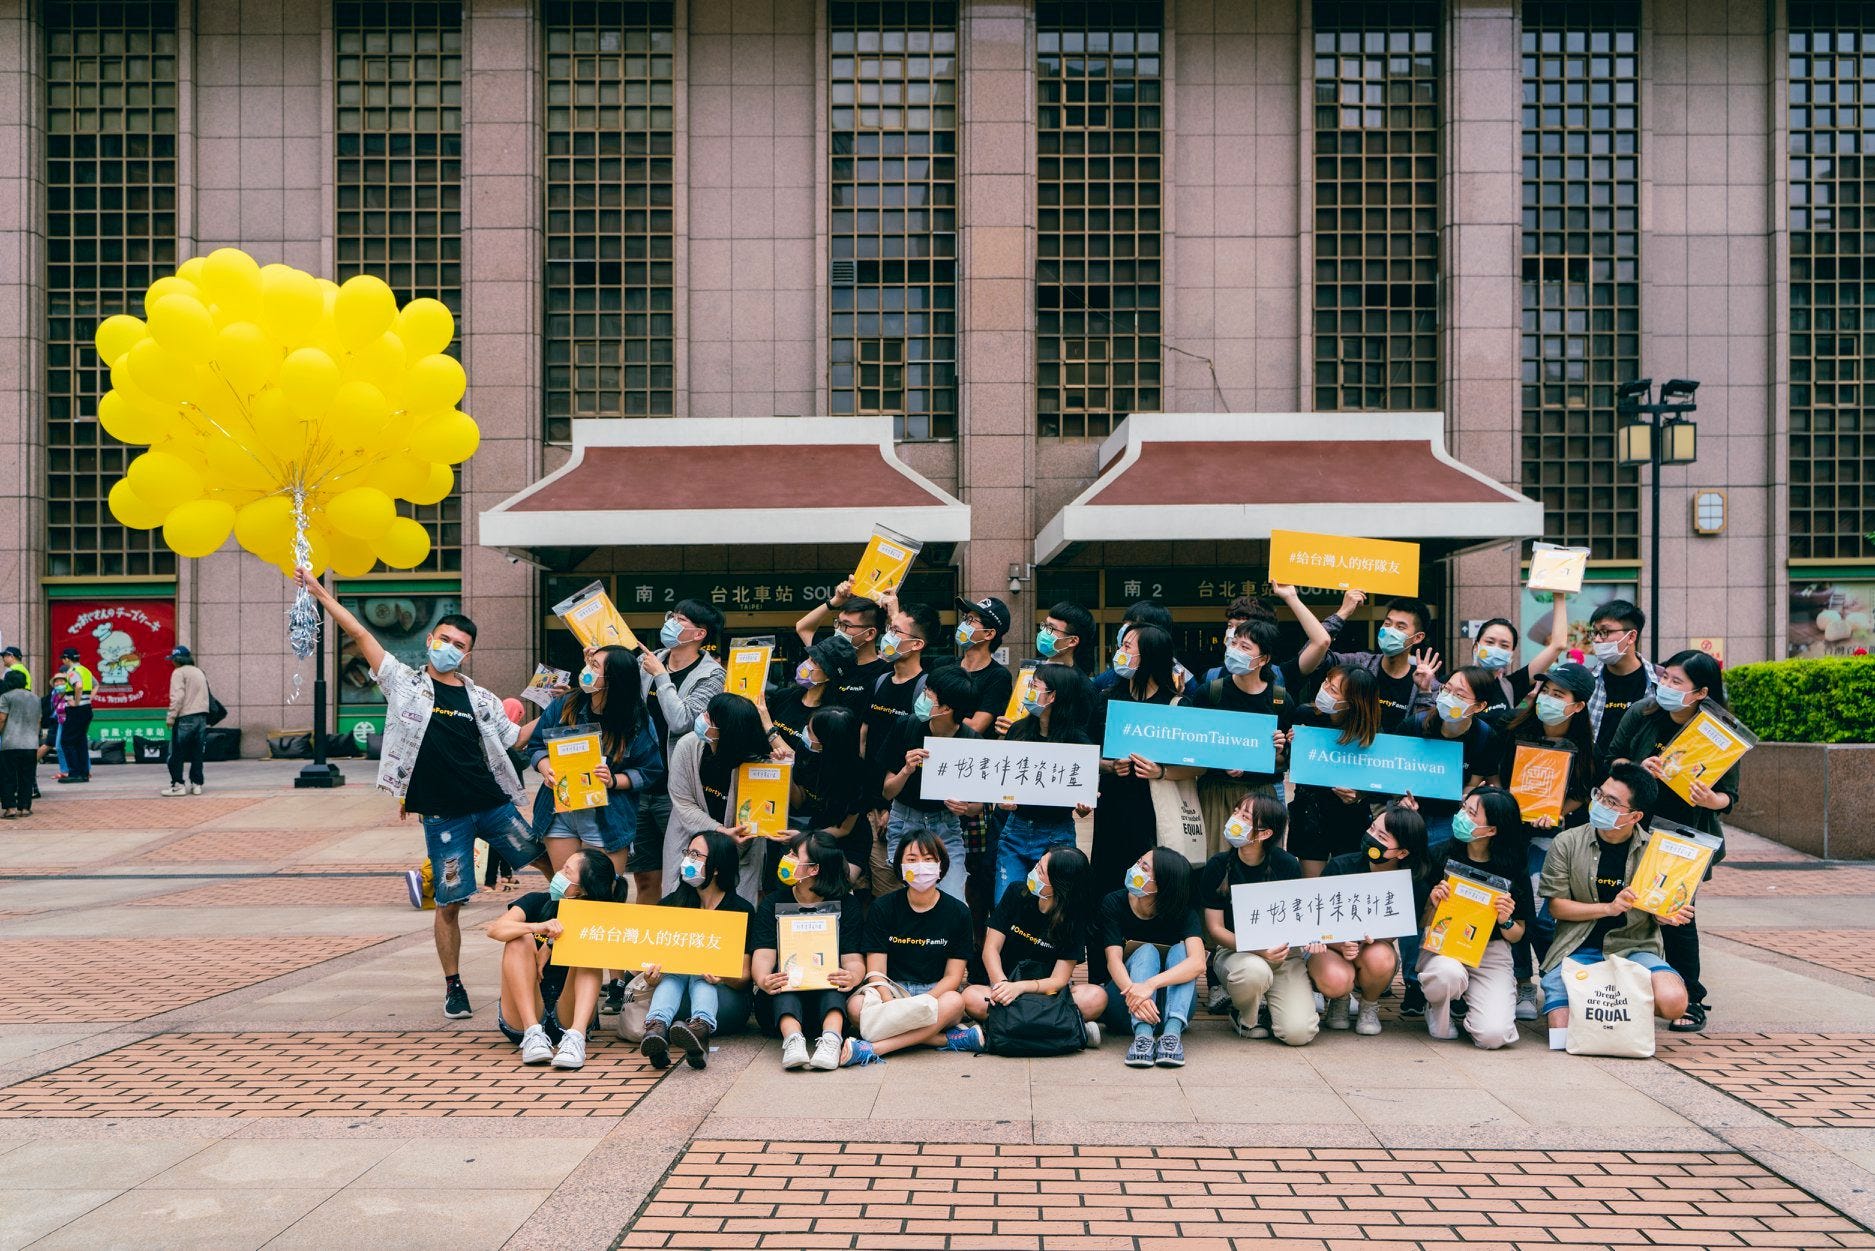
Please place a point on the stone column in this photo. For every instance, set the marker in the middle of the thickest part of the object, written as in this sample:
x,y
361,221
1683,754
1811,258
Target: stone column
x,y
22,333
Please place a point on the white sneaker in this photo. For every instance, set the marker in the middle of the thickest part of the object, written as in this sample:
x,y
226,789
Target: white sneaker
x,y
535,1049
826,1056
1369,1020
195,788
1337,1015
1439,1020
572,1053
1527,1002
1092,1030
174,788
794,1052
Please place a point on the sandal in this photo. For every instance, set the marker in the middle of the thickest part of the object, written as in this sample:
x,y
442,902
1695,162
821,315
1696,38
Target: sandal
x,y
1692,1021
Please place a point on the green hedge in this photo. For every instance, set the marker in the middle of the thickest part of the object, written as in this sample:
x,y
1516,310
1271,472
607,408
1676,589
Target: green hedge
x,y
1829,700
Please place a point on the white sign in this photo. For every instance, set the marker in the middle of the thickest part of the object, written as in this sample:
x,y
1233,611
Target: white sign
x,y
1323,910
975,770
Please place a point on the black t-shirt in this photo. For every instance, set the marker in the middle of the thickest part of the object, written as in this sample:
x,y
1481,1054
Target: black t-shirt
x,y
764,933
451,777
1396,698
904,735
678,677
1611,877
917,945
855,689
1484,755
994,682
1622,691
1355,862
1025,929
790,712
1522,901
730,902
715,773
1227,869
535,907
1117,925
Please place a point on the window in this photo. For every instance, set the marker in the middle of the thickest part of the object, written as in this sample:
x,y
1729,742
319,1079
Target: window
x,y
881,375
1376,151
609,289
1581,253
1097,266
893,141
398,86
110,232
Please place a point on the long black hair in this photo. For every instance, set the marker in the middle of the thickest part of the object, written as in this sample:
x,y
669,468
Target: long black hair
x,y
1509,836
1068,715
740,736
1409,833
595,876
1153,646
1171,872
1072,884
839,772
822,850
624,714
721,868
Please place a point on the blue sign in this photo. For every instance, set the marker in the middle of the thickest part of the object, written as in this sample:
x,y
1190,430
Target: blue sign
x,y
1174,735
1395,764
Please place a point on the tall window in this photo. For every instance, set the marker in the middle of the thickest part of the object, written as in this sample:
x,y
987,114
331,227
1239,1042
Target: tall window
x,y
1581,252
893,135
1097,265
110,233
1376,204
1832,280
399,136
609,186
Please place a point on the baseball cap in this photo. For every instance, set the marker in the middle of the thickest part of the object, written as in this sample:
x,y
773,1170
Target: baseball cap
x,y
182,653
992,610
1574,678
70,653
10,650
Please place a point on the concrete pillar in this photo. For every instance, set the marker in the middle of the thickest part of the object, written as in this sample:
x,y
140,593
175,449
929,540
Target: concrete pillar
x,y
22,332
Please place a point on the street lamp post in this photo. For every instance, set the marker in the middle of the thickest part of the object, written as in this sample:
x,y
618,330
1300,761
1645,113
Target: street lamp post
x,y
1655,433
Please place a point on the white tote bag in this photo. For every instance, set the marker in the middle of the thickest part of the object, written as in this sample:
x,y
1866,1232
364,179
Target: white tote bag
x,y
1180,817
1611,1008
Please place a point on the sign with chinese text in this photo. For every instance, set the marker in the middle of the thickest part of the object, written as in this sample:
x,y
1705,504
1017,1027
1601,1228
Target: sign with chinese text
x,y
884,564
1377,566
1323,910
1394,765
646,596
126,645
1171,734
1539,781
1176,584
598,935
974,770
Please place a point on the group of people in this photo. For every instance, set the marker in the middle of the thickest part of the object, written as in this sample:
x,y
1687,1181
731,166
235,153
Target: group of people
x,y
968,911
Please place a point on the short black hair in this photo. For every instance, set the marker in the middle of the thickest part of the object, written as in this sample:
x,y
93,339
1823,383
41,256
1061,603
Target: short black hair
x,y
1627,613
1081,625
1407,604
1248,608
1149,612
870,607
1640,783
1266,634
930,843
702,616
456,621
954,689
925,618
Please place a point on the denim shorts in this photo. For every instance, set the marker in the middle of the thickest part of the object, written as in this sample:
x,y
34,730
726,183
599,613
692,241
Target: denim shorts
x,y
450,842
1556,996
590,830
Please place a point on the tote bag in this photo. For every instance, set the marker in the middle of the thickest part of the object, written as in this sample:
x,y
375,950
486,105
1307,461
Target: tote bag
x,y
1611,1008
1180,818
888,1010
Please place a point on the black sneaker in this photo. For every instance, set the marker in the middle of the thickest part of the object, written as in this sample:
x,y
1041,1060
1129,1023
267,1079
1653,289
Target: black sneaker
x,y
1459,1008
456,1003
613,1001
1413,1003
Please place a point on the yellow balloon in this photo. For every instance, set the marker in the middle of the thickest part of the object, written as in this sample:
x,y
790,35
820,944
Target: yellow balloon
x,y
170,286
181,323
291,304
358,412
442,480
434,382
117,335
126,423
164,479
426,326
351,558
398,474
131,509
235,467
246,357
151,407
362,512
381,363
199,527
447,437
277,426
364,310
404,545
191,269
160,373
309,378
265,527
231,278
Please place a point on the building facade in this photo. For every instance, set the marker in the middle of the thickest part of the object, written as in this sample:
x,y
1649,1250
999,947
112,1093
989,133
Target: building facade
x,y
1000,228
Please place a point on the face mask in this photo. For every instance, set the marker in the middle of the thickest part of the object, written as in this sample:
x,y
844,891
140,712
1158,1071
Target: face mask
x,y
1602,817
1491,657
702,726
788,870
1451,707
1044,642
445,657
1123,665
923,706
556,889
1035,883
671,632
588,679
803,676
1031,703
1608,650
921,876
965,632
1392,641
809,745
888,646
1236,831
1672,698
1373,848
1137,881
1551,710
1327,704
691,871
1464,829
1238,661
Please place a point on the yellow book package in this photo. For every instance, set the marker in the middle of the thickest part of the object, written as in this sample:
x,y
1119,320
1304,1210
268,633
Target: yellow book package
x,y
1465,921
762,797
1539,780
1554,568
1025,677
1704,749
574,753
747,668
807,945
887,560
1672,866
590,614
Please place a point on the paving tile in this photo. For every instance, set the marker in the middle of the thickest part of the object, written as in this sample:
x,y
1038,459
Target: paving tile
x,y
235,846
445,1219
1749,883
1815,1081
29,1215
92,1165
473,1164
186,1220
306,890
1845,951
292,1163
135,814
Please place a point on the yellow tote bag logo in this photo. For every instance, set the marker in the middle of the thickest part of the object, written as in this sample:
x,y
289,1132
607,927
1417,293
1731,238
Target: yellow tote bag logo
x,y
1377,566
635,936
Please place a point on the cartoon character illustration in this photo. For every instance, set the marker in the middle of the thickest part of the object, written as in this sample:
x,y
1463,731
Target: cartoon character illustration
x,y
117,655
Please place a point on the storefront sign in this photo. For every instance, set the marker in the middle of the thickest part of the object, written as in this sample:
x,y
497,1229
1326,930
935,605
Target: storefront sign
x,y
733,595
1190,587
126,645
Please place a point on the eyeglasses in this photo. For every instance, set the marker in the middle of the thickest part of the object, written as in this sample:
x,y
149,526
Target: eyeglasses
x,y
1609,632
1606,800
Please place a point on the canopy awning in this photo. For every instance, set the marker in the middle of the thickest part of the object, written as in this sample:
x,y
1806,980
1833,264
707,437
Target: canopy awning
x,y
1174,476
663,483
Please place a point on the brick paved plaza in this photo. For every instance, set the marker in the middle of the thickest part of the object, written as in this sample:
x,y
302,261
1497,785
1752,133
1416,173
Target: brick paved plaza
x,y
220,1026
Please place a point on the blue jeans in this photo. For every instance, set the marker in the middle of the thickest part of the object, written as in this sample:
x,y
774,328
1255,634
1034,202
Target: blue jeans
x,y
1555,995
1024,842
450,842
906,821
1175,1002
723,1008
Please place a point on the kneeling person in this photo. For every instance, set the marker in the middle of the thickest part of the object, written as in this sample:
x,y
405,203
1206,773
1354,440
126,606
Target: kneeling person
x,y
1277,978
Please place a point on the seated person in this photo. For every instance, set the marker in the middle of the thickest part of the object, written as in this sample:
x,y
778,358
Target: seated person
x,y
920,938
716,1005
1036,936
812,872
1148,937
537,996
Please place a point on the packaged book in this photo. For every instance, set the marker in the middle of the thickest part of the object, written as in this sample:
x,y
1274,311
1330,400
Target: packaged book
x,y
590,614
1672,866
1466,920
575,754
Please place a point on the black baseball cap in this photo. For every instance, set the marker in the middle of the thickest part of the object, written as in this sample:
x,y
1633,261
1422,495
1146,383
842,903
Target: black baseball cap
x,y
1574,678
989,609
70,653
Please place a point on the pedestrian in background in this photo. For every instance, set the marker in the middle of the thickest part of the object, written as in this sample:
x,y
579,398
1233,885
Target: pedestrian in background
x,y
19,743
75,731
188,722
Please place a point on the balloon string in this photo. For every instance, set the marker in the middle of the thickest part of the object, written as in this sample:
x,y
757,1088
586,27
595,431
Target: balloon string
x,y
302,630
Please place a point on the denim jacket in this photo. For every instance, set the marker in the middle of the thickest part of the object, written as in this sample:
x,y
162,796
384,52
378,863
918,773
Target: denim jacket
x,y
409,702
642,762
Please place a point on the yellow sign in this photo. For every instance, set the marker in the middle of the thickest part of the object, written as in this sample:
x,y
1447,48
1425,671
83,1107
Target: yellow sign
x,y
1672,866
1025,678
762,797
1710,743
807,945
1539,780
1554,568
1377,566
1465,921
590,615
886,562
575,756
747,671
598,935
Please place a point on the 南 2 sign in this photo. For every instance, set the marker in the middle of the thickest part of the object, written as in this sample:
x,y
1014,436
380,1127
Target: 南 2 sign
x,y
1377,566
598,935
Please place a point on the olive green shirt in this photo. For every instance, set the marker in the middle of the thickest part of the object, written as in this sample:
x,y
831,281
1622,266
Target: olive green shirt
x,y
1569,873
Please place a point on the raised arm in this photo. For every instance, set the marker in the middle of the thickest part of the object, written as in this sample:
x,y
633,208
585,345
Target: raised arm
x,y
1316,649
368,645
805,627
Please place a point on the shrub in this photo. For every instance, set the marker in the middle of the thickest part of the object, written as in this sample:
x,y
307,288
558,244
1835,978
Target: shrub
x,y
1828,700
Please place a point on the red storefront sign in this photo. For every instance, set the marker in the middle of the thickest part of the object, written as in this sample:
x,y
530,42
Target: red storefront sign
x,y
125,643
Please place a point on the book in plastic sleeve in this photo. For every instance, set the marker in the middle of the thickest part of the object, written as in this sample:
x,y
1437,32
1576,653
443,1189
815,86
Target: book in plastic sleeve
x,y
1555,568
1464,923
539,689
575,755
1539,780
887,560
807,945
1025,678
746,668
594,620
1673,864
762,797
1708,745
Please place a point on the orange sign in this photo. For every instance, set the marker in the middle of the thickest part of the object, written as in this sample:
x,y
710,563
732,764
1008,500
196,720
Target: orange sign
x,y
1539,780
1713,647
636,936
1377,566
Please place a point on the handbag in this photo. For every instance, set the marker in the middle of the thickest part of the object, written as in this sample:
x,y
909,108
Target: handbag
x,y
217,711
888,1010
632,1011
1034,1024
1611,1008
1179,816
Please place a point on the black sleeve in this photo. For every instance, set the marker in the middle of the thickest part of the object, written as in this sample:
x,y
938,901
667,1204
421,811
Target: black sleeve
x,y
1005,914
1522,900
877,927
763,929
1211,881
1193,927
963,930
994,685
852,926
1106,931
1197,694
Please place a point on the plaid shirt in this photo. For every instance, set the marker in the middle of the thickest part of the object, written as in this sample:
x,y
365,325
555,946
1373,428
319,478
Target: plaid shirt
x,y
409,702
1598,698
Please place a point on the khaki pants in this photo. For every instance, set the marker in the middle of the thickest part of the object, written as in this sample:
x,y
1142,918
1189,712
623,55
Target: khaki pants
x,y
1490,992
1249,979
